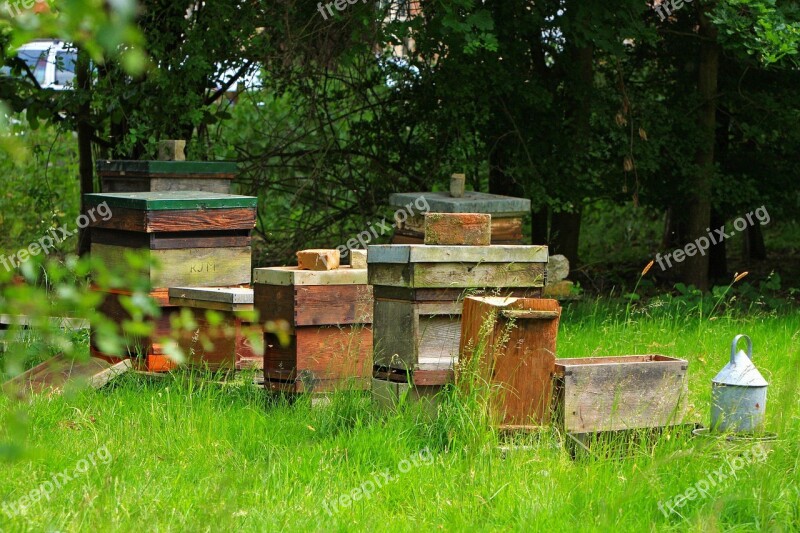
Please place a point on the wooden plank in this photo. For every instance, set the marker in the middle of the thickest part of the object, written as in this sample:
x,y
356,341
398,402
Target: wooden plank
x,y
211,267
274,302
315,305
333,305
458,275
171,200
112,184
414,334
58,373
178,220
161,296
471,202
451,295
318,386
98,381
504,229
216,169
510,344
458,229
225,295
318,259
628,393
420,253
530,314
210,306
396,330
320,353
294,276
172,240
58,322
438,341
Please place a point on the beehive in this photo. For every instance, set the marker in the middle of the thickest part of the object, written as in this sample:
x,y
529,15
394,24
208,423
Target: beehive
x,y
189,238
153,176
418,300
507,213
329,316
509,346
197,239
224,344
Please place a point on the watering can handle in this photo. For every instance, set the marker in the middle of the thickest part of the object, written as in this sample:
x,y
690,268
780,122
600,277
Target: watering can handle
x,y
736,340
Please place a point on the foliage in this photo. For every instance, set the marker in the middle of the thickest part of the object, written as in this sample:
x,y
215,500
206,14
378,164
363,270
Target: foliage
x,y
40,191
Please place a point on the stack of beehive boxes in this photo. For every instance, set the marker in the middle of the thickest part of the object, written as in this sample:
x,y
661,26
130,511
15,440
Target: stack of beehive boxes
x,y
419,290
328,314
188,239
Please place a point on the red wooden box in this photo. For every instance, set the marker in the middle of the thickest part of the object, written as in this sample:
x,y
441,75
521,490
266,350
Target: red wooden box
x,y
329,317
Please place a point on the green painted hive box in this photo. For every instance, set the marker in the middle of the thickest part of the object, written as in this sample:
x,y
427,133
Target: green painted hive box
x,y
152,176
193,238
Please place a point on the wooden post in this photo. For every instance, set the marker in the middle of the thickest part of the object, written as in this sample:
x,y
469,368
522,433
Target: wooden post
x,y
457,184
172,150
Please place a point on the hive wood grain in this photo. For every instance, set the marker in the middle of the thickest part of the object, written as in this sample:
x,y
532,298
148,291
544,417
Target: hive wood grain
x,y
458,229
510,343
617,393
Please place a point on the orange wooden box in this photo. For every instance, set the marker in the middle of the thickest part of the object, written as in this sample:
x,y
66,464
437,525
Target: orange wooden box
x,y
328,315
510,344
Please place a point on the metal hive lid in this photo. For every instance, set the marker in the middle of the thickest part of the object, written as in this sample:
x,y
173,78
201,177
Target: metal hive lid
x,y
740,371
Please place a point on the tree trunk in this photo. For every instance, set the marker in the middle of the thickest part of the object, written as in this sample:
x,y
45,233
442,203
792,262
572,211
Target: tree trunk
x,y
674,230
695,271
717,254
84,130
564,235
539,226
754,248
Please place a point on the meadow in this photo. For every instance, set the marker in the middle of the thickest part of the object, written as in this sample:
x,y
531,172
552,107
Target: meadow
x,y
180,454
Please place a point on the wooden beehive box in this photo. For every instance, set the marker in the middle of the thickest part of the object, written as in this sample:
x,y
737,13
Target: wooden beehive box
x,y
597,394
197,239
418,298
329,314
507,213
152,176
508,346
147,351
224,345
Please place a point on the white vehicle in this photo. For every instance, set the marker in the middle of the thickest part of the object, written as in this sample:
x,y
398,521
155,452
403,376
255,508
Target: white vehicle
x,y
52,63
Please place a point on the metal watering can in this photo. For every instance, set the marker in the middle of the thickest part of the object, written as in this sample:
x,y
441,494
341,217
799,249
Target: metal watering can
x,y
738,393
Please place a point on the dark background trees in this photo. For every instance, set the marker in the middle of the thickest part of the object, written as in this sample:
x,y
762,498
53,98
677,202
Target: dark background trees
x,y
573,104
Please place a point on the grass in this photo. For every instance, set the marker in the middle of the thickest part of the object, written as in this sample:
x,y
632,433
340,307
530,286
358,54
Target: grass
x,y
187,456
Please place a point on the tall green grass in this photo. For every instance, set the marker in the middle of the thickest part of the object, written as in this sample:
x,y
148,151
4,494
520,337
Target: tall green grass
x,y
190,455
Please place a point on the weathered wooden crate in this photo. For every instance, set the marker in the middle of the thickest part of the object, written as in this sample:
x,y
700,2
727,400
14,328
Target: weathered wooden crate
x,y
597,394
113,307
329,316
419,291
508,346
507,213
217,345
194,238
150,176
